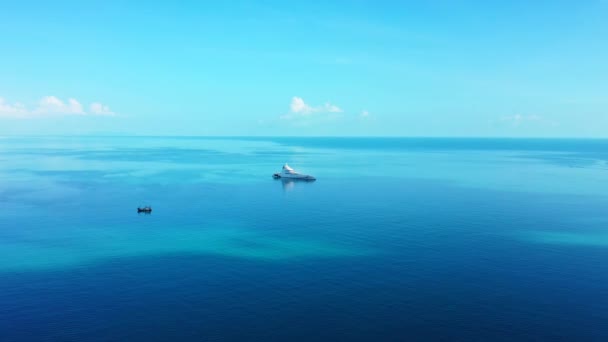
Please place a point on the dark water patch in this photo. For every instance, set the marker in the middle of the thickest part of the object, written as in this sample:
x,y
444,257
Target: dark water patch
x,y
200,297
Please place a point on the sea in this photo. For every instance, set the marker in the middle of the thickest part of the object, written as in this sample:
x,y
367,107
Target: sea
x,y
398,239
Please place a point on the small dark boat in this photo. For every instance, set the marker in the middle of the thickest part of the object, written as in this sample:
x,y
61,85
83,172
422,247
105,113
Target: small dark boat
x,y
147,210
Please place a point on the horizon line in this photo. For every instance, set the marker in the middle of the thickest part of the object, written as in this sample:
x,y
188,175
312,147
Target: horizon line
x,y
119,135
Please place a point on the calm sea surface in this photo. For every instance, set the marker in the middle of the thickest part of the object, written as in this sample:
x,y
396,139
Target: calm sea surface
x,y
398,239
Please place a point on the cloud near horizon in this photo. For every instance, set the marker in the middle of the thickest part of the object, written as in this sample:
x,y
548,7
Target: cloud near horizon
x,y
51,105
300,109
100,109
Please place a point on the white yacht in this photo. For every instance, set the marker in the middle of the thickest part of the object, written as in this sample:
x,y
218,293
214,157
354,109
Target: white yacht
x,y
288,172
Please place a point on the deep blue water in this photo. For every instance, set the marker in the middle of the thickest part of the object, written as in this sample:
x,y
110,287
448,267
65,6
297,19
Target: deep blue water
x,y
398,239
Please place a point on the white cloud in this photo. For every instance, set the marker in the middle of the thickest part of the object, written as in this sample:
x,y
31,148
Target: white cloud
x,y
331,108
300,109
51,106
100,109
11,110
299,106
364,114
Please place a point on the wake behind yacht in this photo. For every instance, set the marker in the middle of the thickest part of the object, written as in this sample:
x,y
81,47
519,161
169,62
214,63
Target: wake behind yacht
x,y
288,172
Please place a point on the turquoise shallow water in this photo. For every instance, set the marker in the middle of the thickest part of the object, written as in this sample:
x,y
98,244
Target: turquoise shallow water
x,y
456,239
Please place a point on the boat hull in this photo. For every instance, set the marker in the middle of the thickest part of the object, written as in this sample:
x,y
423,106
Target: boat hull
x,y
289,173
293,176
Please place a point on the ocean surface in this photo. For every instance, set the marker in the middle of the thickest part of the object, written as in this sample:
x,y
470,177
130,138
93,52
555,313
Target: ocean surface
x,y
398,239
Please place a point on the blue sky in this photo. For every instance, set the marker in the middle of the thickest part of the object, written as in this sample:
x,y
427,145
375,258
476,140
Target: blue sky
x,y
403,68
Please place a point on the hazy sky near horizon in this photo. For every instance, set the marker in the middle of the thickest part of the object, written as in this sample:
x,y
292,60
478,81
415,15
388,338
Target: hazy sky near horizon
x,y
397,68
